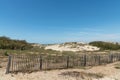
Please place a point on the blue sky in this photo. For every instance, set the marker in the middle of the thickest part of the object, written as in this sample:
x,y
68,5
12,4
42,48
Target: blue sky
x,y
55,21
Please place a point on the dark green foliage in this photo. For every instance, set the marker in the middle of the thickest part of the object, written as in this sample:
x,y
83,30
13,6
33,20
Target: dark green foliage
x,y
6,54
7,43
105,45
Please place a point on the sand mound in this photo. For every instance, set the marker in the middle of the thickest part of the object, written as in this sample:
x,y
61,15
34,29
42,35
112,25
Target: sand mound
x,y
72,46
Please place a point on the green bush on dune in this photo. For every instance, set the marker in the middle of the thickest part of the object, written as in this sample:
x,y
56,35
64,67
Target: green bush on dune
x,y
7,43
105,45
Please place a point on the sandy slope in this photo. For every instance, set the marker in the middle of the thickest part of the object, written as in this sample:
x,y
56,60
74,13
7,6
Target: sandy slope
x,y
72,47
108,70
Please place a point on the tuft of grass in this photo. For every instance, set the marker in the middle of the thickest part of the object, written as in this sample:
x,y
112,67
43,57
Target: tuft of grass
x,y
96,75
82,75
117,66
6,54
0,66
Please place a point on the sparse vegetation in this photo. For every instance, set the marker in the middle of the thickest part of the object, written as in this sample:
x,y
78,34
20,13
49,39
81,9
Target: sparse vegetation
x,y
117,66
82,75
0,66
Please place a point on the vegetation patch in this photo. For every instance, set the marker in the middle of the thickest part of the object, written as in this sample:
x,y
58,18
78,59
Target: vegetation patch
x,y
0,66
7,43
105,45
82,75
117,66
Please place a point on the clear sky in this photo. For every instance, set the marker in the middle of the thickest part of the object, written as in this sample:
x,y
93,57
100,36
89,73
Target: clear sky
x,y
55,21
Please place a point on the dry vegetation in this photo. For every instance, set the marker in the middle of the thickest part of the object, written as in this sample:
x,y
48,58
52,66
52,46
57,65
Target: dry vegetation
x,y
117,66
82,75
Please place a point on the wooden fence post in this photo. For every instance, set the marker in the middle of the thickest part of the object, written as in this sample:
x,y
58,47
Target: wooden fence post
x,y
85,61
99,62
119,57
111,58
8,65
67,61
40,62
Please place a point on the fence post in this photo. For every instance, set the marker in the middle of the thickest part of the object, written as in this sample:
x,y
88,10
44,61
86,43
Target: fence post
x,y
111,58
8,65
118,56
40,62
67,61
99,62
85,60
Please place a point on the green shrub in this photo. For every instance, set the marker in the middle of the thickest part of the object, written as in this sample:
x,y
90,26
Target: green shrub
x,y
7,43
105,45
6,54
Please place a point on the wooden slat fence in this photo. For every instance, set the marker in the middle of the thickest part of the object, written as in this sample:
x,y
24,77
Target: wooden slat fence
x,y
28,63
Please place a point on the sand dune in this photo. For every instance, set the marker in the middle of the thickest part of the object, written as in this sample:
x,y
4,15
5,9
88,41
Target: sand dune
x,y
72,46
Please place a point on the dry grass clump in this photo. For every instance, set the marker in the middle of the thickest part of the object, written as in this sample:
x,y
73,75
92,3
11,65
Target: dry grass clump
x,y
82,75
117,66
0,66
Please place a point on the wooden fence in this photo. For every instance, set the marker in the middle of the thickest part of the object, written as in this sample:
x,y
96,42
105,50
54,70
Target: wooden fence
x,y
28,63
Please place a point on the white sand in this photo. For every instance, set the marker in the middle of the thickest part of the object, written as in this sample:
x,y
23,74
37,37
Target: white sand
x,y
72,47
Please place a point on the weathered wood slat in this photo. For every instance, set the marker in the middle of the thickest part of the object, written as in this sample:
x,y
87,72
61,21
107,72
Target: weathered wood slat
x,y
24,63
8,66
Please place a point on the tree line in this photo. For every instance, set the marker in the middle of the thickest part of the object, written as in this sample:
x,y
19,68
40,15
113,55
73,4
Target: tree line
x,y
106,45
7,43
